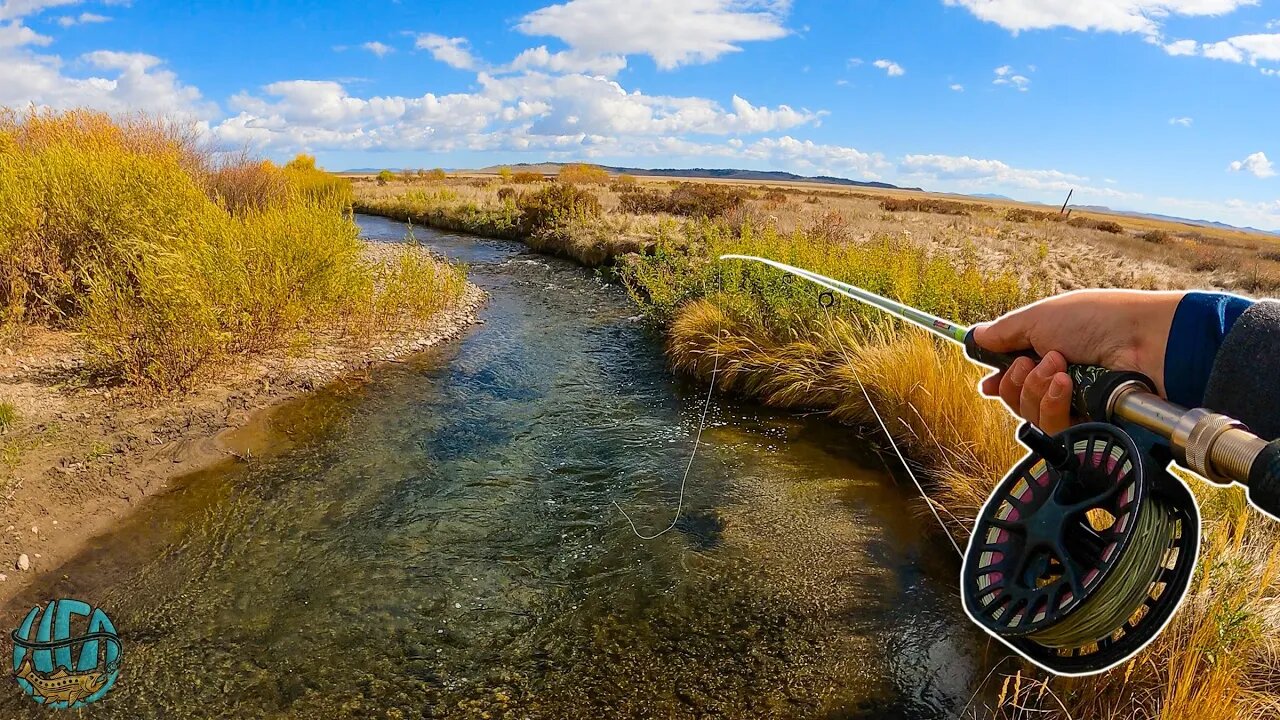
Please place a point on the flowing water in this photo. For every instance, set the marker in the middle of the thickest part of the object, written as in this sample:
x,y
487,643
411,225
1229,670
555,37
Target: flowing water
x,y
439,540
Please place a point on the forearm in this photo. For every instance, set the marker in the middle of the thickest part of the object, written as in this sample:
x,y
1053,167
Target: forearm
x,y
1244,382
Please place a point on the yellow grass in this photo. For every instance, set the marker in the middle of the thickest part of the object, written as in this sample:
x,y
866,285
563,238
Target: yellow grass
x,y
167,258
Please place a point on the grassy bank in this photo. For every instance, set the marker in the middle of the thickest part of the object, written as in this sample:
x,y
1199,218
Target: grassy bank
x,y
168,259
1219,658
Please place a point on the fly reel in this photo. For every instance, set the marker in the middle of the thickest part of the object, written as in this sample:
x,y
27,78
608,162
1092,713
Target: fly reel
x,y
1083,552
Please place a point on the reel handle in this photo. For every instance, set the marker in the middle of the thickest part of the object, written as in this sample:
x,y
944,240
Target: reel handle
x,y
1084,400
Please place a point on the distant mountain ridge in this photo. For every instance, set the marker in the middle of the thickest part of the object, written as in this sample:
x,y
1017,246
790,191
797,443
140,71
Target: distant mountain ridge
x,y
550,168
711,174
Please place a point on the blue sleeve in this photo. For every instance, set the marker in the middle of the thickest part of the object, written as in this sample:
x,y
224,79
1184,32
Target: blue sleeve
x,y
1200,324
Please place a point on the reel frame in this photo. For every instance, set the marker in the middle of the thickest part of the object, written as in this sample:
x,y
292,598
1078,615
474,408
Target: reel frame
x,y
1008,584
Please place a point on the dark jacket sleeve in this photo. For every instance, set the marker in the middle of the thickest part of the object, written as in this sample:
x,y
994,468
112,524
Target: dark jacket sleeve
x,y
1245,381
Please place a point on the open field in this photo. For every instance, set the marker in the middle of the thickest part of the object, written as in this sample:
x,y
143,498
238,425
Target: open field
x,y
1219,658
1145,253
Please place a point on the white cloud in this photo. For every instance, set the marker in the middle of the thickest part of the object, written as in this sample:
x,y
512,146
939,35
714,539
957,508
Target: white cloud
x,y
1257,164
119,83
1121,16
516,112
568,61
1258,48
16,35
957,87
377,48
1222,51
890,67
672,32
1181,121
86,18
974,174
595,105
1182,47
1006,75
1254,49
453,52
16,9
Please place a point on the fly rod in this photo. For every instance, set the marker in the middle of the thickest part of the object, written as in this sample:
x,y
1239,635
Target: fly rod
x,y
1084,550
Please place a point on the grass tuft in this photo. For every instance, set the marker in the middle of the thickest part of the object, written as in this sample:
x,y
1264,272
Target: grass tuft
x,y
8,416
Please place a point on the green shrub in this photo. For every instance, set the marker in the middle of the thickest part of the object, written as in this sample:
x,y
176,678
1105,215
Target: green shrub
x,y
8,416
580,174
691,200
929,205
556,206
1108,226
385,176
1025,215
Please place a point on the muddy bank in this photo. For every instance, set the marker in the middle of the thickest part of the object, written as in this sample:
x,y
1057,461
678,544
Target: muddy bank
x,y
81,457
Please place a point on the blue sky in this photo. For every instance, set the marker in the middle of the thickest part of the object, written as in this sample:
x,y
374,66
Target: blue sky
x,y
1159,105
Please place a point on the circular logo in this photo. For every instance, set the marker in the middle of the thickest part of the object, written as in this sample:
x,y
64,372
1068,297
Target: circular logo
x,y
66,654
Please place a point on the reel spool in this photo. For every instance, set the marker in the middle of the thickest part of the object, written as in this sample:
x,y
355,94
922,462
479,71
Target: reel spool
x,y
1083,552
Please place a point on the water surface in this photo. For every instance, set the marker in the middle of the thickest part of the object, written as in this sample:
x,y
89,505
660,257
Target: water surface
x,y
440,541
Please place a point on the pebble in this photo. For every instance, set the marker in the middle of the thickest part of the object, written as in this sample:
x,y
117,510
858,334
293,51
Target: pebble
x,y
24,562
35,530
3,577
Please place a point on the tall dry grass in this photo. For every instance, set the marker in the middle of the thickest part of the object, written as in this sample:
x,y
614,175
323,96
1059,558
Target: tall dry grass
x,y
166,257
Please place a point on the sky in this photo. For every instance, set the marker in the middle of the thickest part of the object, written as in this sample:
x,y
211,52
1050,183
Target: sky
x,y
1168,106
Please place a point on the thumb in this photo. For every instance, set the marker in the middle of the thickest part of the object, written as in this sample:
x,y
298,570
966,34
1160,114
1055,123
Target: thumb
x,y
1008,334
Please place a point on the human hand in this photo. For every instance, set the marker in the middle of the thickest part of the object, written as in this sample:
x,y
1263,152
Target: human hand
x,y
1117,329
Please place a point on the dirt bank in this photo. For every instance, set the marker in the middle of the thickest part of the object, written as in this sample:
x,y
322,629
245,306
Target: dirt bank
x,y
81,457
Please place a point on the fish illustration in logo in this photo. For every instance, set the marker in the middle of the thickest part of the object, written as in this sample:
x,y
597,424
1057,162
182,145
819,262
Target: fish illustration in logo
x,y
62,686
66,654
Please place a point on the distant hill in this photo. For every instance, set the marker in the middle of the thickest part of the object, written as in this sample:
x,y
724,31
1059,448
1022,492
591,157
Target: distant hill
x,y
711,174
1174,219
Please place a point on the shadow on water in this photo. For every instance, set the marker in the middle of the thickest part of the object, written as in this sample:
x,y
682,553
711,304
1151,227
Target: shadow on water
x,y
440,541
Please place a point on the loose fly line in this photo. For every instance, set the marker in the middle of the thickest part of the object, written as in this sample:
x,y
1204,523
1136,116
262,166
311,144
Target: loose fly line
x,y
697,439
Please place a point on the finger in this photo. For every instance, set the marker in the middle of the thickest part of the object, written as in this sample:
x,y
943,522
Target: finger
x,y
1012,380
1008,334
991,385
1055,408
1037,384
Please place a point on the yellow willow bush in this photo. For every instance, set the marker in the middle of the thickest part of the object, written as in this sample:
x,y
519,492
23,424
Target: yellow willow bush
x,y
166,258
